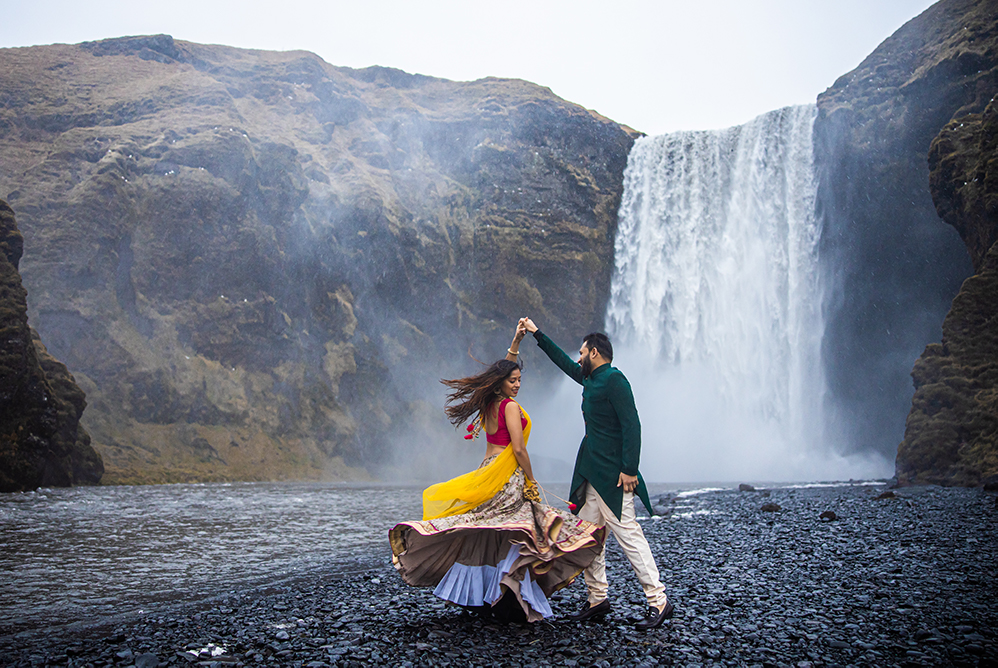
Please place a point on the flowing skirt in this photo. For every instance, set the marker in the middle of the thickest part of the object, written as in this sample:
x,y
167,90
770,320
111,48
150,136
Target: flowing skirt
x,y
507,546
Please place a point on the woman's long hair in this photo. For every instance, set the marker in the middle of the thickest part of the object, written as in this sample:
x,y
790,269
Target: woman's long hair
x,y
475,394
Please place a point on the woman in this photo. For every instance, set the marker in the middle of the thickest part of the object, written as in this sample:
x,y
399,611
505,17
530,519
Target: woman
x,y
486,541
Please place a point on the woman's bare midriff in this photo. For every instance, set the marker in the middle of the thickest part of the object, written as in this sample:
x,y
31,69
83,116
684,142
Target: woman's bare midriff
x,y
494,449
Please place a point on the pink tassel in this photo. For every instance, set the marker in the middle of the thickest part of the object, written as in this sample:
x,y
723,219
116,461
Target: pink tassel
x,y
469,437
572,506
471,427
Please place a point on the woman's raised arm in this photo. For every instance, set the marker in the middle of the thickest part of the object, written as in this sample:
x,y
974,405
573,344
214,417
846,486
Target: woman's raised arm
x,y
513,352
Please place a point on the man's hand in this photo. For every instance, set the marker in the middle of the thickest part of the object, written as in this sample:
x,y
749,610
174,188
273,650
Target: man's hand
x,y
529,324
630,482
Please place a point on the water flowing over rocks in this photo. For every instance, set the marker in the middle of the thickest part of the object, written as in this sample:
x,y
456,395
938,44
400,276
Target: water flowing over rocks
x,y
258,264
41,439
910,583
951,435
715,288
895,266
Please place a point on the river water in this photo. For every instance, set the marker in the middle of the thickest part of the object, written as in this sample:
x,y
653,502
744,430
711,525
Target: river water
x,y
90,553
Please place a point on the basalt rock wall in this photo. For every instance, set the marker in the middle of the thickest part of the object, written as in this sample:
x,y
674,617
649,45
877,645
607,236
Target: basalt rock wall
x,y
951,436
893,266
258,265
41,439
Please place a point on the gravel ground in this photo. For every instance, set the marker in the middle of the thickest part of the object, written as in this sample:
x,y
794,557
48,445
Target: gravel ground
x,y
909,580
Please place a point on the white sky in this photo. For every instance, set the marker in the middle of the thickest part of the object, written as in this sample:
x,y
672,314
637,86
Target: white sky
x,y
657,66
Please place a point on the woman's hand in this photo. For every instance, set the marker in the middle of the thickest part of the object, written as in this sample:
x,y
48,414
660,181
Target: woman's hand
x,y
521,331
513,352
529,325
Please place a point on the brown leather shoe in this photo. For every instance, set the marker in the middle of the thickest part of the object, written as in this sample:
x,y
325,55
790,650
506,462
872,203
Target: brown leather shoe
x,y
656,617
597,611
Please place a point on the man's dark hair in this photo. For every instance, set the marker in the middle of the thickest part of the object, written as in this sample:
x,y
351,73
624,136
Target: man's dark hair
x,y
601,343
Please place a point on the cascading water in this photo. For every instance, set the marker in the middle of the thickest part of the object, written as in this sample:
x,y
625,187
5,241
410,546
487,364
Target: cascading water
x,y
716,302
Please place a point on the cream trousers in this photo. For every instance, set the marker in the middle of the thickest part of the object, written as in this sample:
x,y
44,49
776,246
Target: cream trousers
x,y
632,541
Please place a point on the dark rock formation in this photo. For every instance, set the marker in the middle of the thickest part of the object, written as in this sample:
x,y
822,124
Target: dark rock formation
x,y
41,439
951,435
895,266
963,177
258,265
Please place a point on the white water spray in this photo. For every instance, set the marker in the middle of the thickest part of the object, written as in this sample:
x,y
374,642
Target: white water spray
x,y
715,303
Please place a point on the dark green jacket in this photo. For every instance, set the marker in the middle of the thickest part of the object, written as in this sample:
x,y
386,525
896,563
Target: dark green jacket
x,y
613,432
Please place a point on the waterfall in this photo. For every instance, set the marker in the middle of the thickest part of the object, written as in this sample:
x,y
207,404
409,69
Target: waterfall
x,y
715,301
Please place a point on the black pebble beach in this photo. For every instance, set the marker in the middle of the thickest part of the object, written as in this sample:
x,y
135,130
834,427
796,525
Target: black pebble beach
x,y
907,579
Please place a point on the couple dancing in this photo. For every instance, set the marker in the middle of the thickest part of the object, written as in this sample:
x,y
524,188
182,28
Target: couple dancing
x,y
487,542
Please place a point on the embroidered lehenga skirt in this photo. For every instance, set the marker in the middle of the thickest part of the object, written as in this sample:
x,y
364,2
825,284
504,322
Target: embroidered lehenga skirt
x,y
507,546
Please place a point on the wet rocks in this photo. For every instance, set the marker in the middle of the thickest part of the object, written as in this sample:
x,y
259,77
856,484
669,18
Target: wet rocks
x,y
828,516
896,585
771,508
744,487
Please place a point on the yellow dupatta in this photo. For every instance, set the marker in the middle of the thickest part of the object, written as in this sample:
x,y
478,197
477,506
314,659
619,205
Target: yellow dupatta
x,y
468,491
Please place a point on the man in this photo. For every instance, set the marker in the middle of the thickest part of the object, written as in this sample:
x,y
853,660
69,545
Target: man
x,y
606,471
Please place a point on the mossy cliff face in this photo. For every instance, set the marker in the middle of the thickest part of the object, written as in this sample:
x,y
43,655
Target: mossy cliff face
x,y
41,439
963,177
894,266
951,435
258,265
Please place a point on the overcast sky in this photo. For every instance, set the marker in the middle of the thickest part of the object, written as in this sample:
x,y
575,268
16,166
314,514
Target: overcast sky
x,y
657,66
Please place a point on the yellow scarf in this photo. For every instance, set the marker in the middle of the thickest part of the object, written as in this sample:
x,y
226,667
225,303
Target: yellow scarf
x,y
468,491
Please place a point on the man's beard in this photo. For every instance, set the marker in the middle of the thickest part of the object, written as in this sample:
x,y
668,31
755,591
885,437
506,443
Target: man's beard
x,y
587,367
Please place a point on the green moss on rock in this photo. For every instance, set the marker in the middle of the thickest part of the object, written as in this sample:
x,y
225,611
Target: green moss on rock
x,y
951,435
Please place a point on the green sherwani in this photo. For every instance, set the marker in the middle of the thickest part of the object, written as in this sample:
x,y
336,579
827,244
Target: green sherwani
x,y
613,432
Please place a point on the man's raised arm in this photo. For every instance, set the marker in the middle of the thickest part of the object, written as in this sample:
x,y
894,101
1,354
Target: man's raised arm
x,y
556,354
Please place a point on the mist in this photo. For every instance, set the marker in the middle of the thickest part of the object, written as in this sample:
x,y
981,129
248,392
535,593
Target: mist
x,y
692,432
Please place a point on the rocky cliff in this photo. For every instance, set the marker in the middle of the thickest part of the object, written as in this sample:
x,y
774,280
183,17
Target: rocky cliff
x,y
258,265
951,436
41,439
894,266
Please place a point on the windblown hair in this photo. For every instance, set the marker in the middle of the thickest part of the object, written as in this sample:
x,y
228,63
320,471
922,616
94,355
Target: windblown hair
x,y
601,343
475,394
